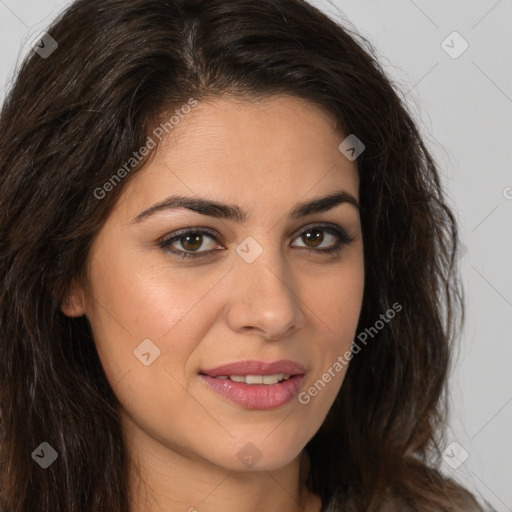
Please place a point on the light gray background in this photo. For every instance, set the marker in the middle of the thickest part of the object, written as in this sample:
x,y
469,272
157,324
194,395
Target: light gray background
x,y
464,108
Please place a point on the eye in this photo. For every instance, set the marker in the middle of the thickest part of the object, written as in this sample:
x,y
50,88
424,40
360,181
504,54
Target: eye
x,y
187,243
328,239
313,237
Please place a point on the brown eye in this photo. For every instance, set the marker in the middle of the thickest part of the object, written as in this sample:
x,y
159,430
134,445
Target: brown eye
x,y
191,242
194,242
324,239
313,237
188,243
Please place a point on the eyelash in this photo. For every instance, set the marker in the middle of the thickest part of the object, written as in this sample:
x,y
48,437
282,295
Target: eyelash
x,y
343,239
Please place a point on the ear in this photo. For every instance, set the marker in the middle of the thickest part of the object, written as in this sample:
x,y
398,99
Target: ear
x,y
73,304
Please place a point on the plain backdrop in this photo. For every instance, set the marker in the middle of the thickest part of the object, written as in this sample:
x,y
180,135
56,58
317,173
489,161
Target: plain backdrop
x,y
452,61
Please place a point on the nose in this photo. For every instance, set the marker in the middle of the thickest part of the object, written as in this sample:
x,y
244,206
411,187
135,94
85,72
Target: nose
x,y
264,299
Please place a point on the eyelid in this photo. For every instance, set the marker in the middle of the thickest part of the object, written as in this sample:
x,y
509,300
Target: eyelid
x,y
185,231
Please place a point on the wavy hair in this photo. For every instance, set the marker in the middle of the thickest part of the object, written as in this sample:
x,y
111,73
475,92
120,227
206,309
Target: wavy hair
x,y
72,119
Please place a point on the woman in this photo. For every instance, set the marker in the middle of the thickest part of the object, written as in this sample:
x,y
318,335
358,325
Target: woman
x,y
228,269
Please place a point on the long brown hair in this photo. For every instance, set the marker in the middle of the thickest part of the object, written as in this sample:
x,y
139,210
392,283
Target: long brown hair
x,y
74,117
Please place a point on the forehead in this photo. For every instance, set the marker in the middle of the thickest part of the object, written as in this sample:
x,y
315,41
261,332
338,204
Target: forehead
x,y
279,125
278,147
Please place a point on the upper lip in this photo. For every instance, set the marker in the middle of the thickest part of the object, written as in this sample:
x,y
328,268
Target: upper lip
x,y
252,367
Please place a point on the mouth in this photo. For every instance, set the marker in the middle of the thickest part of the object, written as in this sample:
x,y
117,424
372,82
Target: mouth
x,y
256,379
255,384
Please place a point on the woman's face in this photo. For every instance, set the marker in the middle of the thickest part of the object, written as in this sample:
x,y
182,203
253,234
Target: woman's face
x,y
249,295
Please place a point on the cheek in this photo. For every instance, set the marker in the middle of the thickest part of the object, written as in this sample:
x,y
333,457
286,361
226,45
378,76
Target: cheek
x,y
335,300
133,301
335,306
146,324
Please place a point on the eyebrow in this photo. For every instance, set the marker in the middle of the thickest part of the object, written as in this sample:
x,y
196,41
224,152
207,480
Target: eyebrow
x,y
235,213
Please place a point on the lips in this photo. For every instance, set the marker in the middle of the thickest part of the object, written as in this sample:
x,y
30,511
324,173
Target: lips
x,y
256,384
256,368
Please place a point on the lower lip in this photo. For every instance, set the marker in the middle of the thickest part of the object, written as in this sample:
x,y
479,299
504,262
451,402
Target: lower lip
x,y
256,396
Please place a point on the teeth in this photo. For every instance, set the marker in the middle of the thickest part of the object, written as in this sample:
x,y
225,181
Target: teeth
x,y
237,378
270,379
257,379
254,379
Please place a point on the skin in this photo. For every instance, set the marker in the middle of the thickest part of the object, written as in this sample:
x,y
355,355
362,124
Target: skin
x,y
264,156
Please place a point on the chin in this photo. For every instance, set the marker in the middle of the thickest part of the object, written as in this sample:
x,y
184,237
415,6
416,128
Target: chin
x,y
257,455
